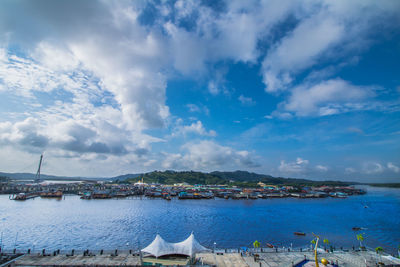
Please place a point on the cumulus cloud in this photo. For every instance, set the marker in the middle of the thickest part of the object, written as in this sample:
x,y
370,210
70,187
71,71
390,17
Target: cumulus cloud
x,y
208,155
301,167
246,101
372,168
198,109
296,167
393,167
96,73
350,170
194,128
326,98
24,133
326,29
321,168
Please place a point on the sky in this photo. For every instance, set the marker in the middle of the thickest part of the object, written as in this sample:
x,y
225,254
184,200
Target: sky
x,y
304,89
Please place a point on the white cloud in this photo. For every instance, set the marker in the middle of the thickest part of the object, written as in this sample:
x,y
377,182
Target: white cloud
x,y
194,128
193,108
102,72
198,108
208,155
349,170
279,115
296,167
321,168
393,167
326,98
325,30
246,101
372,168
299,50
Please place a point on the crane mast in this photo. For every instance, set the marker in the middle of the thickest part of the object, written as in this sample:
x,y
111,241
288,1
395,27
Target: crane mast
x,y
37,177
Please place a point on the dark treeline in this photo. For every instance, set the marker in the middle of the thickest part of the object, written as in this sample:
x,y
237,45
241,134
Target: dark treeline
x,y
237,178
392,185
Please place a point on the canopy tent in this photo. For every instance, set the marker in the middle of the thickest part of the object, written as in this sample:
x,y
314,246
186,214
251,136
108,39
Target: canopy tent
x,y
189,247
159,247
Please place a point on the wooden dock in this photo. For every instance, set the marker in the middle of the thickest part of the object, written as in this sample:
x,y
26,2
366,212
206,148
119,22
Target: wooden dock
x,y
264,259
79,260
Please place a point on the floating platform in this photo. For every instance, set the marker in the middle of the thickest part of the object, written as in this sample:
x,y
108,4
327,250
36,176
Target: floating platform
x,y
221,259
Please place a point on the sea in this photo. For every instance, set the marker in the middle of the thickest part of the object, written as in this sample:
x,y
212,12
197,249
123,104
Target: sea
x,y
132,223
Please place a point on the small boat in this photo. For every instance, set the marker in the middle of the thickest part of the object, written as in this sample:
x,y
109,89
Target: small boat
x,y
167,198
356,228
300,233
270,245
52,194
20,196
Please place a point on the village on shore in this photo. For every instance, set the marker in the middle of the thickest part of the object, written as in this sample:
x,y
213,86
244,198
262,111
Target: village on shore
x,y
22,190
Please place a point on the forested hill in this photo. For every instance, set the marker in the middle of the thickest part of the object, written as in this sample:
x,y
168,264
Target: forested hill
x,y
239,178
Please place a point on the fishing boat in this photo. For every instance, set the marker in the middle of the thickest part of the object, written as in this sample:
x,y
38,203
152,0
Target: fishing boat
x,y
20,196
52,194
356,228
270,245
300,233
86,195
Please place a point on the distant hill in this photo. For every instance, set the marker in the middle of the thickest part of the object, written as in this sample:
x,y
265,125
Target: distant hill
x,y
239,178
125,177
31,176
173,177
242,176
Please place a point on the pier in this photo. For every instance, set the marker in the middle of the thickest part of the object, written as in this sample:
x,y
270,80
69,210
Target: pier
x,y
220,258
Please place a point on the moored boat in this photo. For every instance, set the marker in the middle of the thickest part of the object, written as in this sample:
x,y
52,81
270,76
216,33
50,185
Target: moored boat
x,y
52,194
300,233
20,196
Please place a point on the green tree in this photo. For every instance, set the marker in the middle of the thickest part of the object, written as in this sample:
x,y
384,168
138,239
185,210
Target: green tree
x,y
379,251
360,238
326,242
256,244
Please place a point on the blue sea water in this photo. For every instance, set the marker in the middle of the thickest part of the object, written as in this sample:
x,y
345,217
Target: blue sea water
x,y
130,223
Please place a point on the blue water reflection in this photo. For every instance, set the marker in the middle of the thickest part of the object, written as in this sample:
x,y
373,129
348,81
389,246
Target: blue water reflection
x,y
112,223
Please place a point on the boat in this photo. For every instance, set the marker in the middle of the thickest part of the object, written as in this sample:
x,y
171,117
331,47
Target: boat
x,y
167,198
359,228
300,233
270,245
52,194
86,195
23,196
20,196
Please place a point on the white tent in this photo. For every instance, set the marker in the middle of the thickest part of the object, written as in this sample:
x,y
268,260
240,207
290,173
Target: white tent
x,y
159,247
189,247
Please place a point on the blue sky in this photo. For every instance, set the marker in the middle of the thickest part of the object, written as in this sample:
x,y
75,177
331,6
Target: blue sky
x,y
306,89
